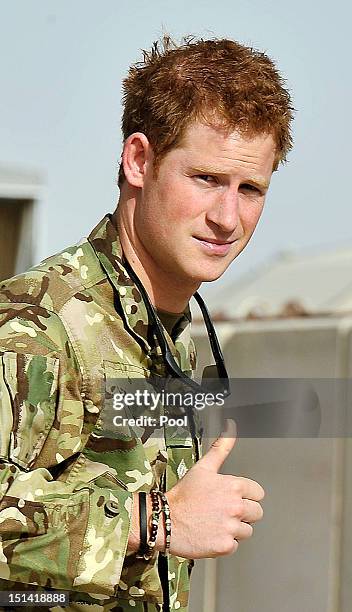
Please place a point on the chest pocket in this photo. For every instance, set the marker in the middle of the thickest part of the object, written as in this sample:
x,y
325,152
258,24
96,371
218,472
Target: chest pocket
x,y
28,396
119,440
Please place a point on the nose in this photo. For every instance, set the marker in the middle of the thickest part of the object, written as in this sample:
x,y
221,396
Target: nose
x,y
225,212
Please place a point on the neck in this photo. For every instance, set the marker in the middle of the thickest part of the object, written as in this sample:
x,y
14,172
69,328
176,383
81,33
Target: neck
x,y
165,292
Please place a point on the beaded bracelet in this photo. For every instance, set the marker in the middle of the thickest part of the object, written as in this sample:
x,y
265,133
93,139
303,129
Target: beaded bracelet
x,y
167,521
154,523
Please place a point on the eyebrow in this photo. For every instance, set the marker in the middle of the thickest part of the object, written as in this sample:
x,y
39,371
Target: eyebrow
x,y
258,181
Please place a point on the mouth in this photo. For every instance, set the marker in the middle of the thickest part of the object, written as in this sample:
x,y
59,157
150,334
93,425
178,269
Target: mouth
x,y
216,247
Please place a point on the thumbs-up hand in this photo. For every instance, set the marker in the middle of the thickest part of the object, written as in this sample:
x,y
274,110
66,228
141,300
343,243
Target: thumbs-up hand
x,y
212,512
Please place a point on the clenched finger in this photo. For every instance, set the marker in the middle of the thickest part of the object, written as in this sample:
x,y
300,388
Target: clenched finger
x,y
242,531
251,489
252,511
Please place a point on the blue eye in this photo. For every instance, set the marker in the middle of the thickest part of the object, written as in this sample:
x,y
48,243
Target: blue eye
x,y
207,178
252,188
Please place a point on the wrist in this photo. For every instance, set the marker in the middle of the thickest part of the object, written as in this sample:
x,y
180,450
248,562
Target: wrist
x,y
134,539
134,535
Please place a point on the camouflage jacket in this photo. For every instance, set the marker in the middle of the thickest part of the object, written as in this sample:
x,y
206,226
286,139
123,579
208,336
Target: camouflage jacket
x,y
67,328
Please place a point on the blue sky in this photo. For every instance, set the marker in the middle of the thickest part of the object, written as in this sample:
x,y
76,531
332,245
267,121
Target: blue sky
x,y
61,66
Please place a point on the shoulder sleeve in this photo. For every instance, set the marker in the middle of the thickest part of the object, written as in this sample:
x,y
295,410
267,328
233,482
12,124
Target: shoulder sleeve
x,y
64,521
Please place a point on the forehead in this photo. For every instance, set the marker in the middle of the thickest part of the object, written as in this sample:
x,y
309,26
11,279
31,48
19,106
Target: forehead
x,y
205,144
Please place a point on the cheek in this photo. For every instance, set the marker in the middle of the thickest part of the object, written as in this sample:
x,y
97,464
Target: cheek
x,y
181,198
178,208
250,216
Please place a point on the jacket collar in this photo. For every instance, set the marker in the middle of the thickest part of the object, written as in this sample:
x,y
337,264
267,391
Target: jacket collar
x,y
107,245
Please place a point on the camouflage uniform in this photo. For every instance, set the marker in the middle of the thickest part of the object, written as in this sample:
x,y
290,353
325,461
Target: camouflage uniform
x,y
66,483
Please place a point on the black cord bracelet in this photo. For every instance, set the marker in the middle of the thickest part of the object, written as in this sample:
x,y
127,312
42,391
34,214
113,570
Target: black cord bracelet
x,y
143,546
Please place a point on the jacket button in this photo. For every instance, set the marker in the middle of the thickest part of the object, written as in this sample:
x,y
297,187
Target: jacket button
x,y
111,509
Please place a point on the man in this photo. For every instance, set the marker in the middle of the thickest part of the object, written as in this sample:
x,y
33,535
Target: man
x,y
204,124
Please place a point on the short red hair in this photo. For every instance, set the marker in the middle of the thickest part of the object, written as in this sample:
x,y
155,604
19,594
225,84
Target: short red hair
x,y
218,82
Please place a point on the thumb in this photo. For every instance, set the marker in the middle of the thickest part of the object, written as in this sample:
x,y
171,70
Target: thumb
x,y
220,449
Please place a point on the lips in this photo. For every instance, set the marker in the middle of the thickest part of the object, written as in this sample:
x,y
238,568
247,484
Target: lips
x,y
214,241
213,246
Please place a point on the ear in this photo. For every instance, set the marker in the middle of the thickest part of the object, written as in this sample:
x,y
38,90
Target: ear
x,y
137,155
